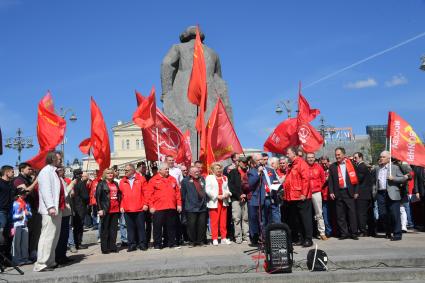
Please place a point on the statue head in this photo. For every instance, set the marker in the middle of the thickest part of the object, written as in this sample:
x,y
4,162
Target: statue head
x,y
190,33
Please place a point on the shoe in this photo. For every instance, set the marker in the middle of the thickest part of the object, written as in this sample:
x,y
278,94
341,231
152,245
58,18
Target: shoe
x,y
215,242
363,234
395,239
124,244
72,249
143,247
157,248
323,237
388,236
105,252
83,247
238,241
307,243
404,231
298,243
343,238
226,242
354,237
131,249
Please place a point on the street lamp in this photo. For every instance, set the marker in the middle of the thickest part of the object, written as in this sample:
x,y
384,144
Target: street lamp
x,y
422,67
62,112
19,143
284,104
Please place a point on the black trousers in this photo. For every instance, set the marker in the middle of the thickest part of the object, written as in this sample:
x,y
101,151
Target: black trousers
x,y
108,233
78,229
365,217
346,210
300,219
181,229
136,234
148,226
197,227
164,220
34,232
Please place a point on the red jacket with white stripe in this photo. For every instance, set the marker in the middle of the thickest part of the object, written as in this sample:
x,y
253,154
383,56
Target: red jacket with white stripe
x,y
134,197
317,178
164,193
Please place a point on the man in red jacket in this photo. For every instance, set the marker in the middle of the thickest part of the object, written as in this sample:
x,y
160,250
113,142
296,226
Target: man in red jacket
x,y
164,203
317,179
298,195
134,203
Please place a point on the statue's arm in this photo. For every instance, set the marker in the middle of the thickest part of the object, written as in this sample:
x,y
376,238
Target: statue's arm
x,y
169,68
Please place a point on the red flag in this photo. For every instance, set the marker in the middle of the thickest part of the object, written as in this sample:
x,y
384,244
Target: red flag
x,y
308,137
184,154
304,112
222,138
296,131
99,139
405,143
171,139
282,137
145,114
50,130
197,89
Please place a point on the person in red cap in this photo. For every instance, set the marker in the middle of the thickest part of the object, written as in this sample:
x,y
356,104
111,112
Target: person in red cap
x,y
164,203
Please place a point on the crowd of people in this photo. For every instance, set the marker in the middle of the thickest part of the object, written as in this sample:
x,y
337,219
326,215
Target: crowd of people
x,y
43,215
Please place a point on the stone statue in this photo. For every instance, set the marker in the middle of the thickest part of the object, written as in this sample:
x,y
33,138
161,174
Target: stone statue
x,y
176,69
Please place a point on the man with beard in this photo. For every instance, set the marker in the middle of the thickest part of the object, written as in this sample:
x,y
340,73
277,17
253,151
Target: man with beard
x,y
7,193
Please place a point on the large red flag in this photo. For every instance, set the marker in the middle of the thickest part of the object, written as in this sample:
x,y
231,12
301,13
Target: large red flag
x,y
99,139
171,139
197,89
145,114
296,131
282,137
222,138
309,138
184,154
304,111
50,130
405,143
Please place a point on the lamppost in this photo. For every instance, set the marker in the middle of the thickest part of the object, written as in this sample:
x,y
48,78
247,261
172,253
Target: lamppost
x,y
62,112
287,104
422,67
19,143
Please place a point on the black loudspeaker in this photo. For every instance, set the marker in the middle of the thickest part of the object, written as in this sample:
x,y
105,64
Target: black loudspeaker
x,y
317,260
278,249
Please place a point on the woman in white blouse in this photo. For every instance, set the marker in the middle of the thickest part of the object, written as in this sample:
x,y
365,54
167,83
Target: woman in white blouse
x,y
219,198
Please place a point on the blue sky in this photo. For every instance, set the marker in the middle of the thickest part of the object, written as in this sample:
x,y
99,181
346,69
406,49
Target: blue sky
x,y
106,49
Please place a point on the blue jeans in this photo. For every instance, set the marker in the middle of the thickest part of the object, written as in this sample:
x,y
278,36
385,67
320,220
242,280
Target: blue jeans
x,y
123,228
328,225
408,212
71,242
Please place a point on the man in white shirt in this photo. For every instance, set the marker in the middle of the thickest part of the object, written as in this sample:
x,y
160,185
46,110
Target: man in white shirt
x,y
173,169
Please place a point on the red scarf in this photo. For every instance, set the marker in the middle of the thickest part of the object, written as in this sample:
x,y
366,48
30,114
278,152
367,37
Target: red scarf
x,y
22,204
351,174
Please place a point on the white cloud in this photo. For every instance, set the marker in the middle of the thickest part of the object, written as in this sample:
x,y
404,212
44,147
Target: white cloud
x,y
370,82
396,80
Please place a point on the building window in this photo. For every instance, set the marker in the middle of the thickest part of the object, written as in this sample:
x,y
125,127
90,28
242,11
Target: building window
x,y
123,144
137,144
128,144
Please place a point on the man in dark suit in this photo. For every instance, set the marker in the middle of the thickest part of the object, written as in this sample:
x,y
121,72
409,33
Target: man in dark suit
x,y
260,179
194,201
419,188
343,188
364,207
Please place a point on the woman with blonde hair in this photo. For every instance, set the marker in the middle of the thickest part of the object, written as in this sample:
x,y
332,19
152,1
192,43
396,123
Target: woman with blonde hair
x,y
216,187
108,197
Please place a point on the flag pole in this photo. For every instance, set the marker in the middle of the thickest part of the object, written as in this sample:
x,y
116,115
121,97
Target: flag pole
x,y
157,145
390,155
197,136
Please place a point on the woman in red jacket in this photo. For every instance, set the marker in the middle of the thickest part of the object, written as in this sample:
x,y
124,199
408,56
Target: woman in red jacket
x,y
298,196
108,199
